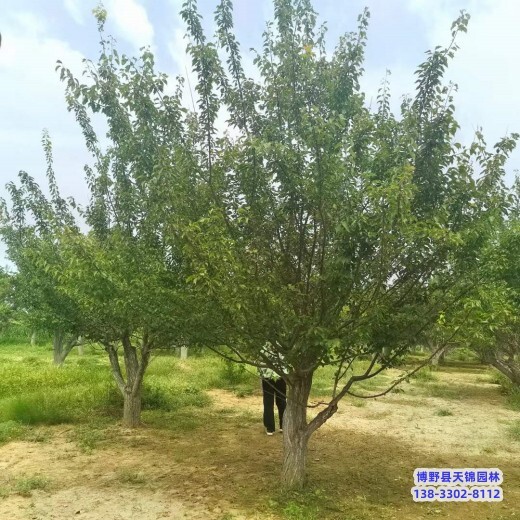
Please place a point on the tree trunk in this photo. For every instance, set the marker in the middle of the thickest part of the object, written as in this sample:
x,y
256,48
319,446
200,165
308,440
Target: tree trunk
x,y
438,358
184,352
33,339
132,408
57,347
295,433
510,369
61,348
81,349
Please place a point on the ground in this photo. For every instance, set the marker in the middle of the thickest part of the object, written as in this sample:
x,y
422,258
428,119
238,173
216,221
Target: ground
x,y
216,463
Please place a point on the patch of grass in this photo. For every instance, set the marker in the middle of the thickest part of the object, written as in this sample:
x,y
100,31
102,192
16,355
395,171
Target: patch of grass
x,y
358,403
443,412
130,476
160,395
425,375
514,431
10,431
87,438
307,505
25,485
37,408
378,415
463,354
440,390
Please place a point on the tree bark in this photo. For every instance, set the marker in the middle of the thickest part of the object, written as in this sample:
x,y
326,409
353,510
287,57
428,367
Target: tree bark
x,y
132,408
62,347
33,339
296,433
510,369
135,368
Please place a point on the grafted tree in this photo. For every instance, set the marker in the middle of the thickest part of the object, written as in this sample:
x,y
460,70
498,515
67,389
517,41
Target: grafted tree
x,y
333,232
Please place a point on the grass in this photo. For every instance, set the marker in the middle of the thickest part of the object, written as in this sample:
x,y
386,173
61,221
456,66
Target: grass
x,y
300,506
88,437
440,390
444,412
511,391
425,375
132,477
514,431
10,431
24,486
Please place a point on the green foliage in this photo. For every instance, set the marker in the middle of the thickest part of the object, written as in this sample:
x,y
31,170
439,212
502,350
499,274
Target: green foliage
x,y
232,374
329,230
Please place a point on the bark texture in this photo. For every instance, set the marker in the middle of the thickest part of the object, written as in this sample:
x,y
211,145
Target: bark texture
x,y
136,361
296,433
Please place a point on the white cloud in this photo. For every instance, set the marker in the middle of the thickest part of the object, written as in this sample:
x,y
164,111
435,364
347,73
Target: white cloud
x,y
73,7
31,99
132,22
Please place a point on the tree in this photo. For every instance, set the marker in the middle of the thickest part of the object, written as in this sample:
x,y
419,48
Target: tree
x,y
126,280
30,228
333,232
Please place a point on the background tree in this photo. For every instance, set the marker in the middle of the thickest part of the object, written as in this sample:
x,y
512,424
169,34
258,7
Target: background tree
x,y
6,306
30,227
332,232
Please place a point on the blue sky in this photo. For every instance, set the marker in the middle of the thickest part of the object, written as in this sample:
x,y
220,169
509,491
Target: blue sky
x,y
35,34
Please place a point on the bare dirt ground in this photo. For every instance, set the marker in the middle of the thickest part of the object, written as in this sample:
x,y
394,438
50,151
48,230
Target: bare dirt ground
x,y
225,468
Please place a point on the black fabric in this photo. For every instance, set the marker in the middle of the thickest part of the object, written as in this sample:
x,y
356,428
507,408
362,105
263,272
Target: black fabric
x,y
273,390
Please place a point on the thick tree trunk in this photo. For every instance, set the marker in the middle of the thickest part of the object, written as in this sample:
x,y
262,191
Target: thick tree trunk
x,y
510,369
57,348
132,408
295,433
61,348
184,352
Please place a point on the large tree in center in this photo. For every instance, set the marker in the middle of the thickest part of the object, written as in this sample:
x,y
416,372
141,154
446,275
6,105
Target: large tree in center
x,y
332,231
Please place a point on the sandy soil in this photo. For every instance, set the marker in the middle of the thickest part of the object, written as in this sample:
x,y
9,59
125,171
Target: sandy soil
x,y
227,468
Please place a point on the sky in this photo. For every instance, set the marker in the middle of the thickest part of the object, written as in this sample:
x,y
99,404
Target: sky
x,y
35,34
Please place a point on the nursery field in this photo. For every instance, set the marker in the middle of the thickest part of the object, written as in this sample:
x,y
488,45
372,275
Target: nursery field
x,y
201,452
